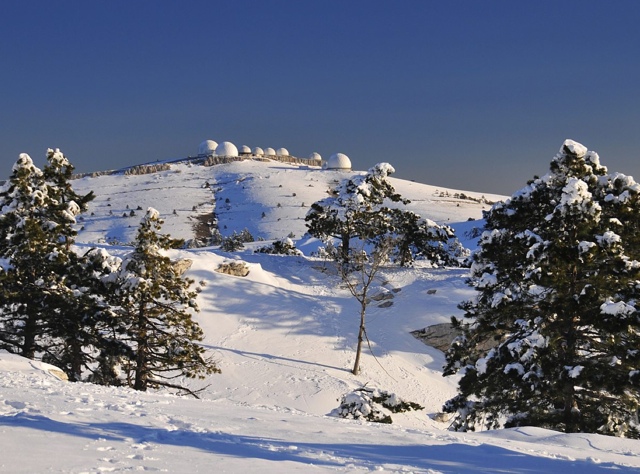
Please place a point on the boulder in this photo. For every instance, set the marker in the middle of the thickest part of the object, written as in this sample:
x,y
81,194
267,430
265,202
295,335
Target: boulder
x,y
235,268
182,265
439,336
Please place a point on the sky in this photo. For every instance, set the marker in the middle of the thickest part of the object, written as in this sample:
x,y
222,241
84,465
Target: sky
x,y
469,95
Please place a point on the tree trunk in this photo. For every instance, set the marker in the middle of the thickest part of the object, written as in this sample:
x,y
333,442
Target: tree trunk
x,y
569,418
28,349
356,365
141,355
76,360
345,240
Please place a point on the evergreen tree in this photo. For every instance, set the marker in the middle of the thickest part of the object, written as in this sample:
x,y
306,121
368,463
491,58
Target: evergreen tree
x,y
45,307
416,237
557,274
65,204
154,304
356,210
29,249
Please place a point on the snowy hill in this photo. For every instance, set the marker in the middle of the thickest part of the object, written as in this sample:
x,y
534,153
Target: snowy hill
x,y
239,193
284,337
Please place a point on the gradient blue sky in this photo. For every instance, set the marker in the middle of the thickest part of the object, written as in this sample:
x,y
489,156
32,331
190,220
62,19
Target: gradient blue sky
x,y
473,95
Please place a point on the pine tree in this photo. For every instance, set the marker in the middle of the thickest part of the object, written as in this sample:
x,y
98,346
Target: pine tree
x,y
356,209
154,306
557,276
417,237
28,250
45,307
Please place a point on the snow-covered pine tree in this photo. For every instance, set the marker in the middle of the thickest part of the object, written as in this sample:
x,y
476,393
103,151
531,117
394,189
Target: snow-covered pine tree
x,y
45,309
154,305
416,236
558,275
65,204
356,209
24,248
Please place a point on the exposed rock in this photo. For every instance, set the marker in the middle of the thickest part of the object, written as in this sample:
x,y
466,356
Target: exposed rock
x,y
382,296
386,304
59,374
182,266
442,335
442,417
431,292
240,268
439,336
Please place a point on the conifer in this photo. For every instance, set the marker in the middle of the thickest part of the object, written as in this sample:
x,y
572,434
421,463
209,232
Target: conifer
x,y
154,306
557,277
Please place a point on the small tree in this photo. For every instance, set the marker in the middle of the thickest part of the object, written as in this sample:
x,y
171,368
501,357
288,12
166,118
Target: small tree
x,y
155,304
557,274
358,275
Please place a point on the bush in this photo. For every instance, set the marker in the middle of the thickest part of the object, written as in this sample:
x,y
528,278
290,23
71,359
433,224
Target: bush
x,y
372,405
236,241
280,247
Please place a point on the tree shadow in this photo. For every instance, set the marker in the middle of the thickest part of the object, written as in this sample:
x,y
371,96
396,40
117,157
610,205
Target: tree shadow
x,y
445,458
273,359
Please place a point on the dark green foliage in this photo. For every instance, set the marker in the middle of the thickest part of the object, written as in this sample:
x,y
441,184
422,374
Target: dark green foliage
x,y
280,247
357,209
236,241
41,300
557,275
153,304
416,237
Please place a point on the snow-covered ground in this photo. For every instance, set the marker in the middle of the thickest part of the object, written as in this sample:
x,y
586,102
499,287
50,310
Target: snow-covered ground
x,y
284,337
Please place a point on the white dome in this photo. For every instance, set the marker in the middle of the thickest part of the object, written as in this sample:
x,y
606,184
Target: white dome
x,y
315,156
269,152
282,152
245,150
339,161
226,149
258,151
207,147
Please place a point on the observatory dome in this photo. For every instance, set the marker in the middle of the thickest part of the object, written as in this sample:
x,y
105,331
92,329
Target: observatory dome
x,y
207,147
339,161
269,152
282,152
226,149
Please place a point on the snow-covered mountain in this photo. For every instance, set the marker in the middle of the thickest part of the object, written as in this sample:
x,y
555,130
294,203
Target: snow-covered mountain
x,y
284,337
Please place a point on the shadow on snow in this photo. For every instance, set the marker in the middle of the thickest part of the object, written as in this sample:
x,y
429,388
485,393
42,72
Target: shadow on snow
x,y
447,458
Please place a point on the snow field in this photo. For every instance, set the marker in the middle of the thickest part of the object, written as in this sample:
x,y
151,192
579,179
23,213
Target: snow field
x,y
284,337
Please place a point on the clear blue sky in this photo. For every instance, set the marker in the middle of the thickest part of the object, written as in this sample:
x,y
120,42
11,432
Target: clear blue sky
x,y
473,95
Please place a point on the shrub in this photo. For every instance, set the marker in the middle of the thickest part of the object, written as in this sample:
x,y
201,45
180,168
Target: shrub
x,y
280,247
372,405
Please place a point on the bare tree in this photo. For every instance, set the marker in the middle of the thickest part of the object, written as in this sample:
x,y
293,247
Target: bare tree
x,y
358,274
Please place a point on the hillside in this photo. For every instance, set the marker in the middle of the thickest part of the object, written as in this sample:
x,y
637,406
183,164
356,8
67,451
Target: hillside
x,y
284,337
240,192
